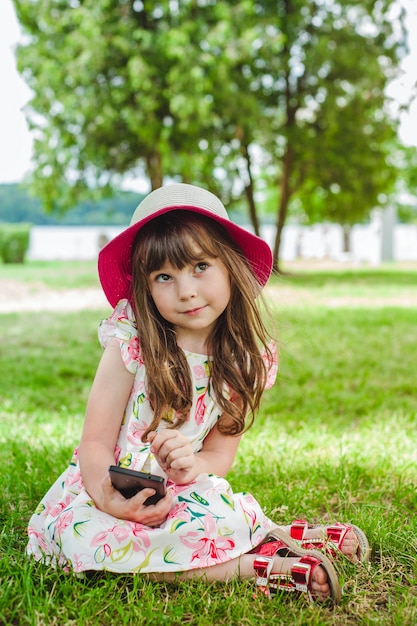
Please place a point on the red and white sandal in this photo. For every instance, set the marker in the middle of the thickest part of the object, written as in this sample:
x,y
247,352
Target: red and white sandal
x,y
299,579
332,539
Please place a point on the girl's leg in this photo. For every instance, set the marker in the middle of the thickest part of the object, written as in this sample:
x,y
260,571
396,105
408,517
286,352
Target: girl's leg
x,y
349,547
242,568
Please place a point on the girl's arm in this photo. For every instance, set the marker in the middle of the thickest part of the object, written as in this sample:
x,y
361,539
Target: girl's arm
x,y
105,409
174,454
218,452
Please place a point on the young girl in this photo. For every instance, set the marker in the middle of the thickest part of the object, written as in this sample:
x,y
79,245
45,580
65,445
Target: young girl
x,y
186,360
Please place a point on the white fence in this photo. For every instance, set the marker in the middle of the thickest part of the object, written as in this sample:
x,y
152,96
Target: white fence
x,y
321,241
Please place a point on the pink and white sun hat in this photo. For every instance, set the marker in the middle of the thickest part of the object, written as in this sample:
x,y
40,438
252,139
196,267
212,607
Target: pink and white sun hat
x,y
114,261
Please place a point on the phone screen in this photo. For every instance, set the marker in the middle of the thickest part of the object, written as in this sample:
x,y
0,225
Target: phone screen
x,y
130,482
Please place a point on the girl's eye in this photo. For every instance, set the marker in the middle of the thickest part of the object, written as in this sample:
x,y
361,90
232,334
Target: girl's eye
x,y
162,278
200,267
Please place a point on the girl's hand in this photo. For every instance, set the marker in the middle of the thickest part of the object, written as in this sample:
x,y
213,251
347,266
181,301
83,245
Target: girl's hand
x,y
133,509
174,455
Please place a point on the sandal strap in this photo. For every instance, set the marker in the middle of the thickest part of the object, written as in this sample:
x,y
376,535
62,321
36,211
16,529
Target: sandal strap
x,y
301,573
263,567
297,580
332,540
335,534
298,528
271,547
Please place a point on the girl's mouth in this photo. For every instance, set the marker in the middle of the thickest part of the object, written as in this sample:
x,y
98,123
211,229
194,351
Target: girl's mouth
x,y
194,311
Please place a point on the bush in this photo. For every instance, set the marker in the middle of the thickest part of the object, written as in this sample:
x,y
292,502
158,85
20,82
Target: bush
x,y
14,242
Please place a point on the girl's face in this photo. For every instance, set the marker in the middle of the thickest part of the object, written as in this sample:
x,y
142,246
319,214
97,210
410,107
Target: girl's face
x,y
191,298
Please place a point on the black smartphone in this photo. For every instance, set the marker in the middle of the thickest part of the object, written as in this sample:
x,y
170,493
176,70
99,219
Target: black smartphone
x,y
129,482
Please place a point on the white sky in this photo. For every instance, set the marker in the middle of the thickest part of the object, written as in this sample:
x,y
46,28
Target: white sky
x,y
16,140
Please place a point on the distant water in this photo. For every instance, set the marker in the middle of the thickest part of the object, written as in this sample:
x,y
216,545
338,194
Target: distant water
x,y
314,242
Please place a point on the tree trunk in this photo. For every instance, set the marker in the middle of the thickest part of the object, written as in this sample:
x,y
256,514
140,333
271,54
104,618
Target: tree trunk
x,y
284,197
249,191
154,169
346,238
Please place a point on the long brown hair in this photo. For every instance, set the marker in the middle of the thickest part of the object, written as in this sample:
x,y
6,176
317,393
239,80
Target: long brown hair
x,y
236,342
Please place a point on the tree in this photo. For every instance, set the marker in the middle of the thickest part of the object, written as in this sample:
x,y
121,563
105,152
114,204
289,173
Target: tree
x,y
107,78
329,133
240,95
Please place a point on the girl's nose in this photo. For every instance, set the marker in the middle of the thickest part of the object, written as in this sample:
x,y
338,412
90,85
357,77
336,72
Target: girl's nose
x,y
186,288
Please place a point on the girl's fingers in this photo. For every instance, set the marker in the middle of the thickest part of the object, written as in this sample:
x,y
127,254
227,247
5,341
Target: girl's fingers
x,y
182,459
169,438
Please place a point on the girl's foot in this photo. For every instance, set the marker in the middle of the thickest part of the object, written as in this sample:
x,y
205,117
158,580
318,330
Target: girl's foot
x,y
338,538
282,565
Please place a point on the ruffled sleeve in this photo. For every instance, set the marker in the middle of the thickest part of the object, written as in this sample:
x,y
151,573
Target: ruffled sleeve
x,y
271,362
122,325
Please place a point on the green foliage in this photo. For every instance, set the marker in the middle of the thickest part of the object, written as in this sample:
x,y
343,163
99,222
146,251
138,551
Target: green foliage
x,y
408,157
406,190
336,439
14,242
334,134
241,96
407,214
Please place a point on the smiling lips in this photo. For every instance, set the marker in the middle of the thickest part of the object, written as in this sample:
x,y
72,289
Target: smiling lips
x,y
194,311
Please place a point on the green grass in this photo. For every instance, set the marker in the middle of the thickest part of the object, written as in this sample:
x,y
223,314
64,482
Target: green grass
x,y
336,439
55,275
357,284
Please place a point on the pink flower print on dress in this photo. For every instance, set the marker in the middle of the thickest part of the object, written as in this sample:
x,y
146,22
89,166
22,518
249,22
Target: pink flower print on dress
x,y
79,562
250,514
99,538
102,553
210,549
73,478
117,451
134,351
140,530
214,493
39,537
180,512
134,434
179,515
122,534
104,549
55,510
200,409
176,488
199,372
64,520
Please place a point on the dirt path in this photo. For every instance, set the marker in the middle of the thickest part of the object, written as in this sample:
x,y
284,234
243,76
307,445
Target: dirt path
x,y
17,296
35,297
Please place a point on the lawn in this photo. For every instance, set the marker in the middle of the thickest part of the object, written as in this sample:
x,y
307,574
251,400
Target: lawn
x,y
336,439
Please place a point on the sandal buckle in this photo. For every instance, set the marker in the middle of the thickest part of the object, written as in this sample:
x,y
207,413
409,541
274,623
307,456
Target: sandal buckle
x,y
301,574
262,566
297,529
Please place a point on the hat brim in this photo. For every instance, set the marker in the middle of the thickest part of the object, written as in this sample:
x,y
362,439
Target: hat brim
x,y
114,260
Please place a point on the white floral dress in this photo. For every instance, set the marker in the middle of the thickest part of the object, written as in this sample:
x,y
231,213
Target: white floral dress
x,y
208,523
